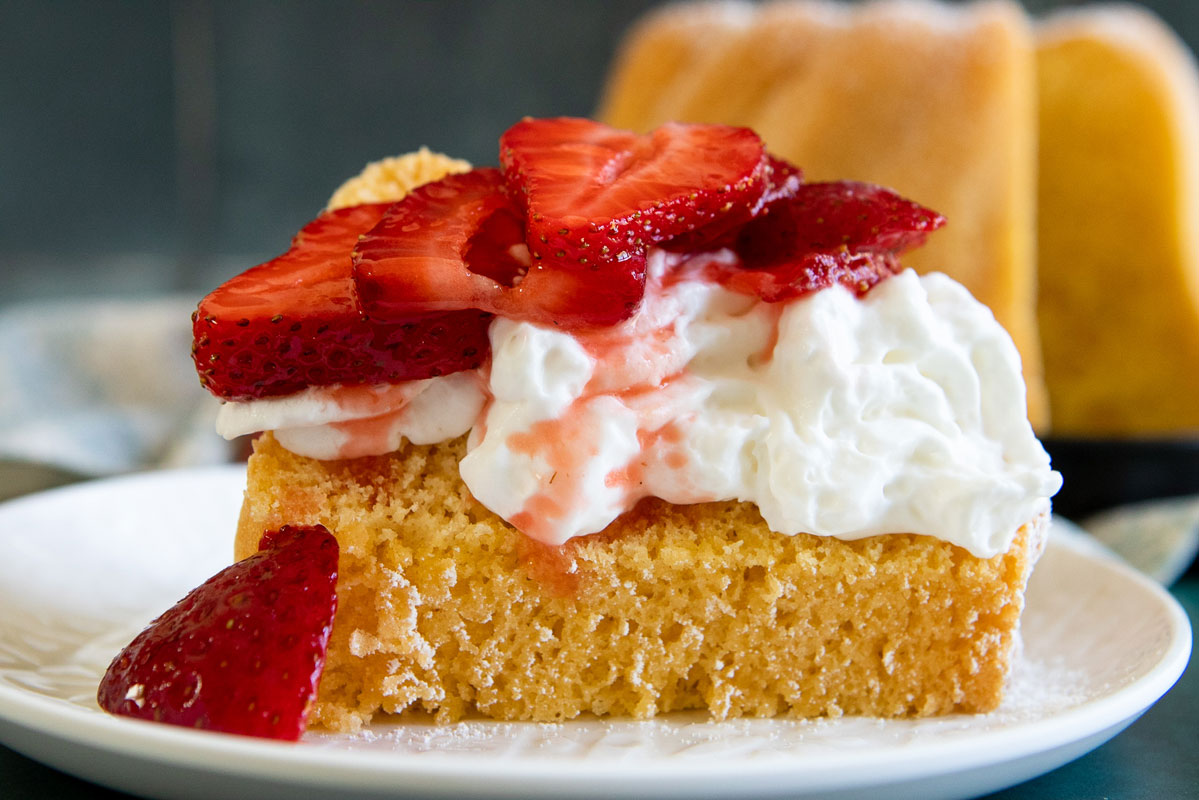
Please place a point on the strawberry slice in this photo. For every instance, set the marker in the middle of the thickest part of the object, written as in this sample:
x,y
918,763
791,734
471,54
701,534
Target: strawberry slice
x,y
244,652
861,217
448,245
294,322
782,181
584,186
459,243
594,197
841,232
809,272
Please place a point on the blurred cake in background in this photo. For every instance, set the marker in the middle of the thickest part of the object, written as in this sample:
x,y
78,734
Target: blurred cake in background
x,y
936,100
942,101
1118,227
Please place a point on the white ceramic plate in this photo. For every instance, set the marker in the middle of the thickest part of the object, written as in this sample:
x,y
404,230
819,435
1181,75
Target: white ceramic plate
x,y
84,568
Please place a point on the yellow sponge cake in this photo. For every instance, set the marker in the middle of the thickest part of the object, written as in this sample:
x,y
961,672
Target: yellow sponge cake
x,y
1118,229
446,608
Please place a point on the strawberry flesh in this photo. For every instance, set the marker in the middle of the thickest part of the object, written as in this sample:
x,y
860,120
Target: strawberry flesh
x,y
459,243
782,181
594,198
841,232
242,653
295,322
809,272
449,245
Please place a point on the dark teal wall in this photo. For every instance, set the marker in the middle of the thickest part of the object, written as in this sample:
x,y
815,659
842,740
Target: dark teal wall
x,y
195,130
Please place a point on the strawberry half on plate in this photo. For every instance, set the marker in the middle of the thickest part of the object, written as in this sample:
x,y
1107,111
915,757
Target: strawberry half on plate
x,y
243,652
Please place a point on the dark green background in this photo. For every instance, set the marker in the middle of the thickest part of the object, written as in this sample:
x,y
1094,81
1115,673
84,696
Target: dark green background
x,y
154,146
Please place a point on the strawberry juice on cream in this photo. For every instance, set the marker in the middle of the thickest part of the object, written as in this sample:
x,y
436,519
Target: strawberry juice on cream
x,y
836,415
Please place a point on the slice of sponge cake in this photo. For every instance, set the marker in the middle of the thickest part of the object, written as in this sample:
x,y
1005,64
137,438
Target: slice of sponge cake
x,y
936,101
445,608
1119,223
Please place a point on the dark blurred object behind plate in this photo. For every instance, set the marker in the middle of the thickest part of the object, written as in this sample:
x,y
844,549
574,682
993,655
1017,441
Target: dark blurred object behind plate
x,y
24,477
1102,473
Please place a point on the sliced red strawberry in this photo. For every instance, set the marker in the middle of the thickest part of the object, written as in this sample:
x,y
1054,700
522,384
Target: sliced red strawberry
x,y
782,181
843,232
585,186
809,272
294,322
459,243
244,652
861,217
449,245
594,197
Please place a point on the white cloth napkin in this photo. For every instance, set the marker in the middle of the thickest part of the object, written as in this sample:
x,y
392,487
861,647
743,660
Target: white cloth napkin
x,y
100,387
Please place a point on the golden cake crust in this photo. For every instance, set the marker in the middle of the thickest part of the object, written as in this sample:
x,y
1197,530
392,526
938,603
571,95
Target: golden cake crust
x,y
389,179
445,608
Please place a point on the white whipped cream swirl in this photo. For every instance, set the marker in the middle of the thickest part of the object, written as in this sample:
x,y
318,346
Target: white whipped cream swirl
x,y
900,411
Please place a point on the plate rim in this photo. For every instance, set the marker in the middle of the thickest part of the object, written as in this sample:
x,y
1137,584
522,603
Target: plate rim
x,y
236,756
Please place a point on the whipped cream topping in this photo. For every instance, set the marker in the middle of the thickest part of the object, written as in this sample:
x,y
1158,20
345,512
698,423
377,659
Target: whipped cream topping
x,y
329,422
900,411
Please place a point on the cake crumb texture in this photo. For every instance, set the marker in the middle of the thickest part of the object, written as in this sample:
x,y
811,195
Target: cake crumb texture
x,y
445,608
389,179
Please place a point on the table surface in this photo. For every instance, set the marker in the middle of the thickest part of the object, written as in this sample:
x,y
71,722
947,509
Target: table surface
x,y
1154,758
